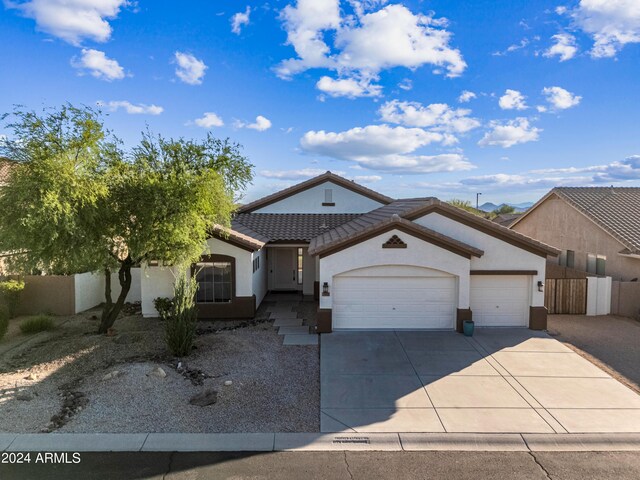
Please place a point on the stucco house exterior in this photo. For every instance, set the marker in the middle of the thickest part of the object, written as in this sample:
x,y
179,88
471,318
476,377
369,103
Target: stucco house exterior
x,y
597,228
371,262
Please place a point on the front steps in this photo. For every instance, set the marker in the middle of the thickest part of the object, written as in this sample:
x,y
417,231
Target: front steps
x,y
289,325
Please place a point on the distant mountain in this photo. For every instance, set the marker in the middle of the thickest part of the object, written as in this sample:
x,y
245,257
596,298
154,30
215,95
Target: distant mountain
x,y
519,207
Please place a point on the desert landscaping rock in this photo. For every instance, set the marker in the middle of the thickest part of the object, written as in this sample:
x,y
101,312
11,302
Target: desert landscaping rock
x,y
111,375
204,399
158,372
282,394
24,396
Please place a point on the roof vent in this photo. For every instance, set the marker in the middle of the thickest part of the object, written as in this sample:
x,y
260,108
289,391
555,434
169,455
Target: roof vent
x,y
395,217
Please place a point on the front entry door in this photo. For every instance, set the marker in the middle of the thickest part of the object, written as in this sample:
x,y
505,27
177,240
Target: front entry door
x,y
284,268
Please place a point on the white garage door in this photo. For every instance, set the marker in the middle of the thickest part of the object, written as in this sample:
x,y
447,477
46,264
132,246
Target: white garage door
x,y
500,300
394,302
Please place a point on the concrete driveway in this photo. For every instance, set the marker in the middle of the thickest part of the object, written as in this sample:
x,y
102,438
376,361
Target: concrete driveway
x,y
499,381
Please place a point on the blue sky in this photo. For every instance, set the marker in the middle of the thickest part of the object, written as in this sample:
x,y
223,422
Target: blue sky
x,y
373,90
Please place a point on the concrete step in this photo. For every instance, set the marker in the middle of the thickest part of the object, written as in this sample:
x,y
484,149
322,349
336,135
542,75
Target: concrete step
x,y
305,339
299,330
287,322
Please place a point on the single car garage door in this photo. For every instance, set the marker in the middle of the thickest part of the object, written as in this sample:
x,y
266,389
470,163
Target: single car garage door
x,y
394,301
500,300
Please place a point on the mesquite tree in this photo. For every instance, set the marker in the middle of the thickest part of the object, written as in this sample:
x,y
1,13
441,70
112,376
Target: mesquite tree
x,y
79,202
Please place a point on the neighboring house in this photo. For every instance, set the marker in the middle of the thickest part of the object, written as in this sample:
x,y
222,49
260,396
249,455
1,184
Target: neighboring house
x,y
506,219
371,261
597,228
6,166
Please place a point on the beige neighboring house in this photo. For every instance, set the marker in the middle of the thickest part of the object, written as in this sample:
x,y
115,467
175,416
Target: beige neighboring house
x,y
5,170
598,231
597,228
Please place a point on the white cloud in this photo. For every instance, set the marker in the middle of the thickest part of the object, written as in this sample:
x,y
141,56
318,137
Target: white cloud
x,y
366,43
466,96
189,69
511,133
512,48
132,109
512,100
406,84
561,99
301,174
98,65
367,178
564,47
348,87
304,24
239,20
72,20
437,116
624,172
611,23
619,171
261,124
382,147
209,120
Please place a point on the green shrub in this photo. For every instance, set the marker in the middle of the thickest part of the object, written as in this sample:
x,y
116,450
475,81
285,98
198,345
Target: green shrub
x,y
39,323
10,291
180,328
4,321
163,306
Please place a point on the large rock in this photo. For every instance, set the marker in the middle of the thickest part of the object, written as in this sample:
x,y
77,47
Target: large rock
x,y
111,375
157,372
207,397
24,396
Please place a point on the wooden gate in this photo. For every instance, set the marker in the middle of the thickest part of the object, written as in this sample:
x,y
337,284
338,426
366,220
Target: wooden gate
x,y
566,296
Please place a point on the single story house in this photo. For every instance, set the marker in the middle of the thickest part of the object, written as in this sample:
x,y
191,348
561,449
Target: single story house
x,y
372,262
597,228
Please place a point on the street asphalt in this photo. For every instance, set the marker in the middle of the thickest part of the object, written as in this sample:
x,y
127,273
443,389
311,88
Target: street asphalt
x,y
336,465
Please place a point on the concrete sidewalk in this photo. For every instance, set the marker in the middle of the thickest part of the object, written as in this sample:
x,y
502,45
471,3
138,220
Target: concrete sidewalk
x,y
273,442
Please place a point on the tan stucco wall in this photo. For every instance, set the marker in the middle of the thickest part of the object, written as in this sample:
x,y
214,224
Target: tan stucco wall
x,y
558,224
47,294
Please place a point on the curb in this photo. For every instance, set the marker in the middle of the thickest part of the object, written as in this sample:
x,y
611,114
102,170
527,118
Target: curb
x,y
293,442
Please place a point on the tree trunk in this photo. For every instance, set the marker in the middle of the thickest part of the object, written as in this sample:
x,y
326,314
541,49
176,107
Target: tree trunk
x,y
111,310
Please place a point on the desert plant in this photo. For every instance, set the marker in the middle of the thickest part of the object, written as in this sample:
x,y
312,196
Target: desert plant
x,y
163,307
4,321
180,327
10,291
39,323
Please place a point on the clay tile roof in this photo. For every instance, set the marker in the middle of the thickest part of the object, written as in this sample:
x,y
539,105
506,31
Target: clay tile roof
x,y
412,208
615,209
276,227
249,242
395,221
312,182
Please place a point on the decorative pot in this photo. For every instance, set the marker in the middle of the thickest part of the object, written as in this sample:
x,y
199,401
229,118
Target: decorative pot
x,y
467,328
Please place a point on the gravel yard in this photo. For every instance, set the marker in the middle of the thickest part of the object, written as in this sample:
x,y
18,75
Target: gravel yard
x,y
610,342
61,374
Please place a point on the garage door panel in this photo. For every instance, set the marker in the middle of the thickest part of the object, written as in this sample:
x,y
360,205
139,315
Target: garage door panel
x,y
500,300
393,302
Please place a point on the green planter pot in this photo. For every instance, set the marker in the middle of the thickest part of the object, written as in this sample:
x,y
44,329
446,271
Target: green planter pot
x,y
467,328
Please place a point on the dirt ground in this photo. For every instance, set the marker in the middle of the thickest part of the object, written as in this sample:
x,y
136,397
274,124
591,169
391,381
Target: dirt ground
x,y
610,342
55,381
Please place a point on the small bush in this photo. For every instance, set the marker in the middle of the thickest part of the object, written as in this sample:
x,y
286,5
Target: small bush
x,y
10,291
180,327
163,306
39,323
4,321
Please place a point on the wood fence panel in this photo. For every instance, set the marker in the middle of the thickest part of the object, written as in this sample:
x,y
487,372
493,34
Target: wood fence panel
x,y
566,296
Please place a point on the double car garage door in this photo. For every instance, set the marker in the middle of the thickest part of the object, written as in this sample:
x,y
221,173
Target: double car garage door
x,y
424,299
